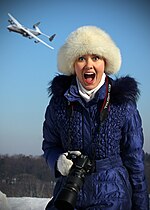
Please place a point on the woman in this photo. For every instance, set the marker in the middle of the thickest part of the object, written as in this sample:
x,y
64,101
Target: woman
x,y
91,114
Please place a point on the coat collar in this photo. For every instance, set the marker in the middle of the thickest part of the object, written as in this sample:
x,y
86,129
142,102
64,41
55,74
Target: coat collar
x,y
72,94
124,89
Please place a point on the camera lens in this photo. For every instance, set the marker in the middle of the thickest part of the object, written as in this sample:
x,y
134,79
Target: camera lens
x,y
66,199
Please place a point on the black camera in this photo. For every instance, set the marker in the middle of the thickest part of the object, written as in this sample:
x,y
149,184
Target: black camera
x,y
66,199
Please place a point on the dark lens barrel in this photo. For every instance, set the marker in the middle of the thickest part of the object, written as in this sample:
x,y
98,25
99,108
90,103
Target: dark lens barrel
x,y
66,200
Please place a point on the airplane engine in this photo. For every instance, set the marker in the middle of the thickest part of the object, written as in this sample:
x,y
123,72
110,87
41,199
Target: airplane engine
x,y
10,21
25,34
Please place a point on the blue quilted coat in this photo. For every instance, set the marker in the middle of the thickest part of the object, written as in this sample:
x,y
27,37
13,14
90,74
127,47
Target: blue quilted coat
x,y
118,182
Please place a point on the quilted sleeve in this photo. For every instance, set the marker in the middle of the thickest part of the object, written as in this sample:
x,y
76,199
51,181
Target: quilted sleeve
x,y
133,157
51,139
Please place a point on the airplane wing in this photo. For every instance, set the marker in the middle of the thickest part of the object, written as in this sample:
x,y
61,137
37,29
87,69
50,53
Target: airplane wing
x,y
14,20
32,35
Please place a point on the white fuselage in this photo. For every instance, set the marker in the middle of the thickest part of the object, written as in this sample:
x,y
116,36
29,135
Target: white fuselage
x,y
16,29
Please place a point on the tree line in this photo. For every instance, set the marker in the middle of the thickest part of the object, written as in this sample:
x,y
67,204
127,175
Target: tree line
x,y
22,175
30,176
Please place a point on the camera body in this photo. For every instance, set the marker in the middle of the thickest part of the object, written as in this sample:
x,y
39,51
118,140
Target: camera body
x,y
67,197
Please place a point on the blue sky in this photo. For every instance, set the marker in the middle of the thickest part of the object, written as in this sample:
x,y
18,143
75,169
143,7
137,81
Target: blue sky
x,y
26,67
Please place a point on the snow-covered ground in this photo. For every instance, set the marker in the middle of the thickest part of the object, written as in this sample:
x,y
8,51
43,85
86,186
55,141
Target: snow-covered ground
x,y
26,203
23,203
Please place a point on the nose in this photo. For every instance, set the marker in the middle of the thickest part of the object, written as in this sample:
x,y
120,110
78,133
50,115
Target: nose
x,y
88,67
88,64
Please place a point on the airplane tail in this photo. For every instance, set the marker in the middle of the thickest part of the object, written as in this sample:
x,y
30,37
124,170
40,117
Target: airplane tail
x,y
52,37
35,26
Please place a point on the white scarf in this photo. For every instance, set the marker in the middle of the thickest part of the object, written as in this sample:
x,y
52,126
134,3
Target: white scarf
x,y
88,95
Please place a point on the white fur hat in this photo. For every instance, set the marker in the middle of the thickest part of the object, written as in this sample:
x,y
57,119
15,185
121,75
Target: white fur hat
x,y
89,40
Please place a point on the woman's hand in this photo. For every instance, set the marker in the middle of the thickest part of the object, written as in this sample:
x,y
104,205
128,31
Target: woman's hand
x,y
64,164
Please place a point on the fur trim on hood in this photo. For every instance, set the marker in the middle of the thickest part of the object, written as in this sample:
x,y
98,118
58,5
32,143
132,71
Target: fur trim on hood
x,y
59,85
124,89
89,40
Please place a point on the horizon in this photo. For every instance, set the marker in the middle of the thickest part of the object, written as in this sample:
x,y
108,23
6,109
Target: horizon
x,y
26,68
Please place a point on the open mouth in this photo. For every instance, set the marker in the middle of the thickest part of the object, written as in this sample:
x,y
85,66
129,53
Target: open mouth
x,y
89,77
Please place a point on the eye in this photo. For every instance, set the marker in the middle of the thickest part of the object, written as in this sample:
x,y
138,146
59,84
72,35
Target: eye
x,y
96,58
80,59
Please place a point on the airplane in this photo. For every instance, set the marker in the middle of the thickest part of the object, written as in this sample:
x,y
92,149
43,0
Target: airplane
x,y
15,26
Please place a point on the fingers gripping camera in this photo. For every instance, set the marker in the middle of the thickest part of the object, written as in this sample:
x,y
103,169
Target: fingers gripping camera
x,y
64,162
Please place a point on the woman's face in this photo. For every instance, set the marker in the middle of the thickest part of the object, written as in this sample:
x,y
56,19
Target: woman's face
x,y
89,70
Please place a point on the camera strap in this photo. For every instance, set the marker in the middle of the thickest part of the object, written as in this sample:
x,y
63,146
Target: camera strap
x,y
105,106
